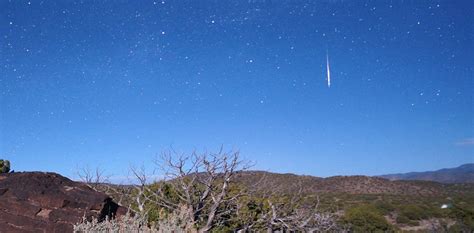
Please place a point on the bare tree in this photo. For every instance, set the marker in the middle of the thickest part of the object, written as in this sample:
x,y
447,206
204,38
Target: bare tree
x,y
98,181
92,177
198,185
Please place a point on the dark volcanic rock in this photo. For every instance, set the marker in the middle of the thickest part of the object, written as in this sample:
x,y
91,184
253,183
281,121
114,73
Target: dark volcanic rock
x,y
48,202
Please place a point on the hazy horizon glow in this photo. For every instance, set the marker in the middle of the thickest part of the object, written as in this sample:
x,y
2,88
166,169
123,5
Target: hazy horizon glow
x,y
113,83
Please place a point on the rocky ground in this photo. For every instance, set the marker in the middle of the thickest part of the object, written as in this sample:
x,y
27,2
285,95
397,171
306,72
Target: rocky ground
x,y
48,202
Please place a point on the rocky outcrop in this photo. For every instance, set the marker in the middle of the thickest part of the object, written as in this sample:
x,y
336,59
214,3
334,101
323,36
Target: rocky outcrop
x,y
48,202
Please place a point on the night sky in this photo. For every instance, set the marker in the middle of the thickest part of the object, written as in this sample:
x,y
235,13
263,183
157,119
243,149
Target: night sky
x,y
114,83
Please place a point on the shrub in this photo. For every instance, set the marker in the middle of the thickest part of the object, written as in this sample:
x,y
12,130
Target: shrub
x,y
413,212
384,207
403,219
124,224
464,219
4,166
128,223
366,218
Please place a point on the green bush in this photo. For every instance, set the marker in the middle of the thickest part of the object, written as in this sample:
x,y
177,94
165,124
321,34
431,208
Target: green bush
x,y
459,227
403,219
366,218
4,166
464,219
413,223
384,207
413,212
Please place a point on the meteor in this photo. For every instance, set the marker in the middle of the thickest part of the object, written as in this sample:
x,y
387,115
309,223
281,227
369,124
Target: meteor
x,y
327,68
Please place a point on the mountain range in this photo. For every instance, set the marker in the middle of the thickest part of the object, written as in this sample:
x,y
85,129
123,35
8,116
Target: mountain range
x,y
461,174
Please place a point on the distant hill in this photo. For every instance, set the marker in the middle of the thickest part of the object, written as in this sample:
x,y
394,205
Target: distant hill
x,y
461,174
291,183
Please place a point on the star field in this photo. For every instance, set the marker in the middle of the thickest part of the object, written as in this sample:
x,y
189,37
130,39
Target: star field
x,y
114,83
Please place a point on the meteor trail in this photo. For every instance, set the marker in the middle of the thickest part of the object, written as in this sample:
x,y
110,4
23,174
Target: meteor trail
x,y
327,68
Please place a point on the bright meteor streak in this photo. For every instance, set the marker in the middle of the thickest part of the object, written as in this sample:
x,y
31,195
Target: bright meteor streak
x,y
329,72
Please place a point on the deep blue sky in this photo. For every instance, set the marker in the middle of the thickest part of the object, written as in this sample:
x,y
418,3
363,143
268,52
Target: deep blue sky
x,y
113,83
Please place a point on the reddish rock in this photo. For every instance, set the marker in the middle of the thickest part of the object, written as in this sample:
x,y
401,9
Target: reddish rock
x,y
48,202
